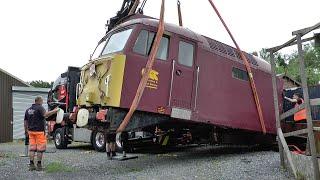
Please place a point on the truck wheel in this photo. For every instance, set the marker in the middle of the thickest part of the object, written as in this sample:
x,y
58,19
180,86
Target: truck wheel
x,y
122,143
59,139
98,141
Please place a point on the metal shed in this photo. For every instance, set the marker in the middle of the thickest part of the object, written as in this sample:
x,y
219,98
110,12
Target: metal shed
x,y
22,98
7,80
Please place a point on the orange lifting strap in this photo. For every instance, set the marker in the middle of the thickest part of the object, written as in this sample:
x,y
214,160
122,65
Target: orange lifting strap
x,y
151,59
145,76
245,60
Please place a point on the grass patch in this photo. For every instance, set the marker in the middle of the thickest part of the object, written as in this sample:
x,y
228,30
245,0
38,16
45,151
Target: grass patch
x,y
135,169
7,155
2,163
54,167
300,176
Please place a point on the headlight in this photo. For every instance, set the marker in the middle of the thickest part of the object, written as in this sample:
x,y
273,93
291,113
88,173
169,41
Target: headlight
x,y
92,70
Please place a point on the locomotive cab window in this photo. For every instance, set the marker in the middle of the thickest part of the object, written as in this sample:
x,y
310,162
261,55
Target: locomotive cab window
x,y
116,42
144,43
186,53
240,74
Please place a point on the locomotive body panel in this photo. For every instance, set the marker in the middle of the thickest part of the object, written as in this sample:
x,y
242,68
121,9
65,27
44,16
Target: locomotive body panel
x,y
194,78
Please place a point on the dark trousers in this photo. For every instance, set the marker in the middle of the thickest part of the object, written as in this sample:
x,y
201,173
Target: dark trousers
x,y
26,140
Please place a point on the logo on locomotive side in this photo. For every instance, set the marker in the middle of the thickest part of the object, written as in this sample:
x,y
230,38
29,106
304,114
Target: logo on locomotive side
x,y
161,109
153,79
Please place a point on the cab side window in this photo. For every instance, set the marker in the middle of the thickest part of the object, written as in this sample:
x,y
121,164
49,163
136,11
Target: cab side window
x,y
144,43
186,53
240,74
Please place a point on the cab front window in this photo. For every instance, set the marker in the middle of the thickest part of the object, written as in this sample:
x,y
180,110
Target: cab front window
x,y
117,42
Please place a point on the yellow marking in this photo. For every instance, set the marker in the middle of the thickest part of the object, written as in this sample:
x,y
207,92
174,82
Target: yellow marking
x,y
165,141
95,90
153,79
116,81
153,75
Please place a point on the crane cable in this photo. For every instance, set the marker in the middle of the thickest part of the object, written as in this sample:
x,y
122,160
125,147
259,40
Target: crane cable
x,y
142,6
245,60
134,7
146,72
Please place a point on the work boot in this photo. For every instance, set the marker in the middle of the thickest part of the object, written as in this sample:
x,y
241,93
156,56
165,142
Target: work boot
x,y
39,167
113,153
32,167
109,155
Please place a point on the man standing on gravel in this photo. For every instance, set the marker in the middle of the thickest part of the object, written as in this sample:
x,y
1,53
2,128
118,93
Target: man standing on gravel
x,y
35,119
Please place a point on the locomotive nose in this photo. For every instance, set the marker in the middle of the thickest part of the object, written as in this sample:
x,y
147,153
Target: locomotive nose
x,y
101,82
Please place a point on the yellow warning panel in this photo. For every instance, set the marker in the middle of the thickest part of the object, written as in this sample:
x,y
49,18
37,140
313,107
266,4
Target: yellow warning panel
x,y
101,81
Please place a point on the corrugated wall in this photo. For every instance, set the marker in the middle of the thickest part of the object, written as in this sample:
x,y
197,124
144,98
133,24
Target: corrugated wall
x,y
21,101
6,83
314,92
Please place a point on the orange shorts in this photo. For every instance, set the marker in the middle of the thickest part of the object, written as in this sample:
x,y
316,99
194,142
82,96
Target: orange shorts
x,y
37,141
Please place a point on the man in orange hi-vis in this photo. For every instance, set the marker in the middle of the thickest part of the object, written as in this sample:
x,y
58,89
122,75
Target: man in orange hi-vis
x,y
35,127
299,116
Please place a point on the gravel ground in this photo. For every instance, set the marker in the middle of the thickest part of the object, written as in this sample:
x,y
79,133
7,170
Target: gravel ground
x,y
82,162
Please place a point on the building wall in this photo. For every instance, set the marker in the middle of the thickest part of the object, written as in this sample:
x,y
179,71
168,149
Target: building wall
x,y
22,98
6,83
288,84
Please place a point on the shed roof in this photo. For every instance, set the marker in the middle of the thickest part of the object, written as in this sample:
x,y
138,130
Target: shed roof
x,y
290,78
30,89
18,79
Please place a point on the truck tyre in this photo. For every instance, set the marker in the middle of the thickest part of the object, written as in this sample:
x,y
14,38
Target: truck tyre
x,y
123,140
98,141
59,139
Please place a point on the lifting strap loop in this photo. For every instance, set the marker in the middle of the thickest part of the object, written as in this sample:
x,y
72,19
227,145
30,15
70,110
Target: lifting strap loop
x,y
245,60
145,76
179,13
134,7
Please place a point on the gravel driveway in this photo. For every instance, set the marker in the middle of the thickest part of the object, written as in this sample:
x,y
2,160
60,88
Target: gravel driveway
x,y
82,162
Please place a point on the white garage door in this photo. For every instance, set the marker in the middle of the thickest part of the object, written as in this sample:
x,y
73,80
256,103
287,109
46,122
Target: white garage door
x,y
23,98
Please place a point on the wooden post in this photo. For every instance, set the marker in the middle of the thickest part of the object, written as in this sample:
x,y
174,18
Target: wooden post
x,y
287,151
307,106
276,105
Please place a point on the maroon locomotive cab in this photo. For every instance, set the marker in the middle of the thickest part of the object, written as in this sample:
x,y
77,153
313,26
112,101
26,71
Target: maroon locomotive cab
x,y
183,78
156,95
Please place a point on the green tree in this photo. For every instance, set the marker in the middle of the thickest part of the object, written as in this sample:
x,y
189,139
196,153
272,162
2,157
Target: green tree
x,y
41,84
289,63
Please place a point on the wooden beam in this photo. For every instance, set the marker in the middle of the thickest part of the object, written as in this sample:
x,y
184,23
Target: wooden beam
x,y
304,31
276,104
304,83
295,133
292,111
287,151
315,102
291,42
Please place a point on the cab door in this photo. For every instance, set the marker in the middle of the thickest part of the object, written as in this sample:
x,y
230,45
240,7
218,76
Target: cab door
x,y
182,83
155,95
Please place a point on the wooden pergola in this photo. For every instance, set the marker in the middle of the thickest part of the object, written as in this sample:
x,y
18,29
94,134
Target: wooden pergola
x,y
283,147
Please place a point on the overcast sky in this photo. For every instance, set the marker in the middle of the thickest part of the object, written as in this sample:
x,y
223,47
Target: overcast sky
x,y
39,39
